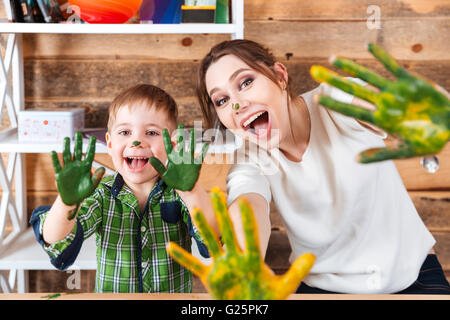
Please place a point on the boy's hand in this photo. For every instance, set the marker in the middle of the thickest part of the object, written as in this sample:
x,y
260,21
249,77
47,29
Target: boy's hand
x,y
412,109
235,274
182,170
74,181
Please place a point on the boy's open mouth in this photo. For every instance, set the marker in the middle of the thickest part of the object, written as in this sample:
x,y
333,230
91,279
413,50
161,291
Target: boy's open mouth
x,y
136,163
258,124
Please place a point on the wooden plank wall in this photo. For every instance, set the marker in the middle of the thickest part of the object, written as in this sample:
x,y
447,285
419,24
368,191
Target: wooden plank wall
x,y
89,70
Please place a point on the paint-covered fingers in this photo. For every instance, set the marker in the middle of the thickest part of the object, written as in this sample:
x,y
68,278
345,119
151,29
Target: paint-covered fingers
x,y
67,157
208,235
323,74
78,149
90,152
296,273
361,72
345,108
390,63
159,167
97,177
223,220
180,139
167,141
381,154
56,164
251,233
186,259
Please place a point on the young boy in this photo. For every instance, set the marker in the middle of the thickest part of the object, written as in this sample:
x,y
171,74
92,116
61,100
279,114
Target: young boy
x,y
133,213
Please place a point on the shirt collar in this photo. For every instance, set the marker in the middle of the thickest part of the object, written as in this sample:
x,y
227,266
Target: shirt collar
x,y
117,185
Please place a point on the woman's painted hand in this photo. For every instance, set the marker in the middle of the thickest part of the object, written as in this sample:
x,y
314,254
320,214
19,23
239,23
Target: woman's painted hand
x,y
74,181
236,274
183,169
411,109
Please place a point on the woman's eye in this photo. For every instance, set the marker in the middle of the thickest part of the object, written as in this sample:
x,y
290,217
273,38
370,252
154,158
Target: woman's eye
x,y
220,102
246,83
152,133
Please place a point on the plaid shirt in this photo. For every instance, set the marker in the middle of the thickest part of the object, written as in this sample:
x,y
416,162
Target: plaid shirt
x,y
131,253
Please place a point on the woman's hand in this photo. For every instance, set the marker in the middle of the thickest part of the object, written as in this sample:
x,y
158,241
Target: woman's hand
x,y
74,181
182,170
412,109
237,274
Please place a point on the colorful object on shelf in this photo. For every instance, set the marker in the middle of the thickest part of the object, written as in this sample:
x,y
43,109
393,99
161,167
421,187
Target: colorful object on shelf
x,y
222,11
160,11
237,274
50,10
412,109
182,170
74,181
198,11
49,125
106,11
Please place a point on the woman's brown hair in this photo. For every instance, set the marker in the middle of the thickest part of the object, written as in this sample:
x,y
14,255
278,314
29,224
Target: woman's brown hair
x,y
252,53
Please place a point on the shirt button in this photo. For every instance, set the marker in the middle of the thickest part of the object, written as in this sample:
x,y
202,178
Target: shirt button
x,y
144,264
143,229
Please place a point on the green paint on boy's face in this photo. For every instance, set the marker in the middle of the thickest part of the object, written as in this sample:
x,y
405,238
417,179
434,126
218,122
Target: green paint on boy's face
x,y
136,143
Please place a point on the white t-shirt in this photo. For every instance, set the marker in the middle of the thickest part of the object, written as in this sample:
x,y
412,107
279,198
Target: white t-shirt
x,y
358,219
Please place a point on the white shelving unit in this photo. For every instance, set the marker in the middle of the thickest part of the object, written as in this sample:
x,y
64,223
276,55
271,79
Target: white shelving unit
x,y
19,251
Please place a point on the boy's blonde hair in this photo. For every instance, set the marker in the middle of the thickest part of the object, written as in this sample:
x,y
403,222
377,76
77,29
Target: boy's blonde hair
x,y
143,94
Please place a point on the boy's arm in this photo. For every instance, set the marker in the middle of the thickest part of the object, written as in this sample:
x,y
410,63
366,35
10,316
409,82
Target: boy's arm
x,y
56,224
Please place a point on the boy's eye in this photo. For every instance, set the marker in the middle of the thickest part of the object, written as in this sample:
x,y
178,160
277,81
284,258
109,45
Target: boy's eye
x,y
124,132
220,102
245,83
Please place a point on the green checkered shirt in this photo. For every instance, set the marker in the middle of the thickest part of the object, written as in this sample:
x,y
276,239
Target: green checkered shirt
x,y
131,253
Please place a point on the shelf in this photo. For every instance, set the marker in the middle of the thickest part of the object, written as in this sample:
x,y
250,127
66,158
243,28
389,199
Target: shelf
x,y
25,253
11,143
86,28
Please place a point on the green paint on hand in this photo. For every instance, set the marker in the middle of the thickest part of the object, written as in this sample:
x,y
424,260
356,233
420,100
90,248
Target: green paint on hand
x,y
412,109
236,274
74,181
183,169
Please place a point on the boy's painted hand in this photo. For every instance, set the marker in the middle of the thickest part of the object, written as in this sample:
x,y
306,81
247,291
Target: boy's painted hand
x,y
74,181
237,274
183,169
412,109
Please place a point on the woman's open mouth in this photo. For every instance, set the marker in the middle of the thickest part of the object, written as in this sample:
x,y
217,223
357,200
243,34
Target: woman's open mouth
x,y
258,124
136,164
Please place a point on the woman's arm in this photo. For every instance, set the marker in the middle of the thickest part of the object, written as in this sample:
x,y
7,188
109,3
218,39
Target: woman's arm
x,y
199,198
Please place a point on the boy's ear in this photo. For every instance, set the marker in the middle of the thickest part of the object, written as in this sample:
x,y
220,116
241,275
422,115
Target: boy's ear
x,y
108,142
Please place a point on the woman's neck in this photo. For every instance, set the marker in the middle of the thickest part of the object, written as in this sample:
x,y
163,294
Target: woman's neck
x,y
296,141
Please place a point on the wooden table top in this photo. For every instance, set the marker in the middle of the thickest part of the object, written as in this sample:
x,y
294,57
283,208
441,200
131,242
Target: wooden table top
x,y
205,296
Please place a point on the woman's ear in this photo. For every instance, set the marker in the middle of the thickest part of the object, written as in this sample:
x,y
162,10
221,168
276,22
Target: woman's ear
x,y
282,74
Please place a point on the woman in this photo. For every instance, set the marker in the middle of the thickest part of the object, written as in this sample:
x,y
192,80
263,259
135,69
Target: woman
x,y
357,219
